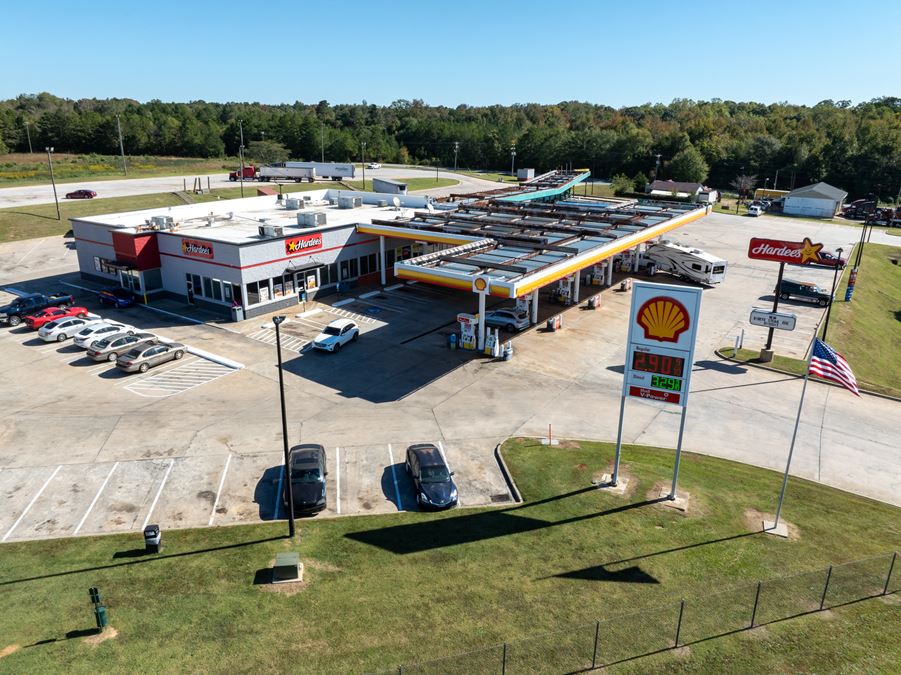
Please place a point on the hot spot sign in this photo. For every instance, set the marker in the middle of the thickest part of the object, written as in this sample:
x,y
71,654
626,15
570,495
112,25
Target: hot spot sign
x,y
662,328
792,252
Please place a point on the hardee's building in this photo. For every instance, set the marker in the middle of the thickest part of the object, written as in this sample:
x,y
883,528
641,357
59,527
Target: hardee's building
x,y
245,257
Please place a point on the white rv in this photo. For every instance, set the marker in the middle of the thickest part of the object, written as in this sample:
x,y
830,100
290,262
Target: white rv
x,y
683,261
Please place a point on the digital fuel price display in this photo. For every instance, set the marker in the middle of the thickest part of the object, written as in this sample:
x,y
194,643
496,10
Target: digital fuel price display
x,y
666,383
660,364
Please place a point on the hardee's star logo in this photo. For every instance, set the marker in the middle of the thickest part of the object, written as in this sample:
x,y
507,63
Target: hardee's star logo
x,y
293,245
810,251
663,319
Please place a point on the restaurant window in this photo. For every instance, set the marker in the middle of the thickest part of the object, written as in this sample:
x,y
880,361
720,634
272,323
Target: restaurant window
x,y
207,287
332,273
217,289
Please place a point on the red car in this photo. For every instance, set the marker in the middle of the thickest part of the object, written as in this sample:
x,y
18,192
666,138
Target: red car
x,y
831,260
35,321
81,194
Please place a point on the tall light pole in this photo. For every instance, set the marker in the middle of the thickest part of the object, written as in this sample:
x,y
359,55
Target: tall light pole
x,y
657,167
456,150
277,320
53,180
28,134
241,153
766,182
513,159
363,162
834,282
121,145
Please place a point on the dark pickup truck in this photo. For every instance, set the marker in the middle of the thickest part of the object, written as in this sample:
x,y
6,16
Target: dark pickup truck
x,y
18,309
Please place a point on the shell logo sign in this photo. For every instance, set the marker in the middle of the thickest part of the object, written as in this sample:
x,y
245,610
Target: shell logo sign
x,y
479,285
663,319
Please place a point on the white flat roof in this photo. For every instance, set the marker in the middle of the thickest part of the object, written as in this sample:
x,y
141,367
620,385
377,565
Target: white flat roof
x,y
237,221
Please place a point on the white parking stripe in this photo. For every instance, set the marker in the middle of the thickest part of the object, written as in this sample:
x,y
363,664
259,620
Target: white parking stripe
x,y
289,342
338,480
94,501
158,493
219,491
400,503
31,503
176,380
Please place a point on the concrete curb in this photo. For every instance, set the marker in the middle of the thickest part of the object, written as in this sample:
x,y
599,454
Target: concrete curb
x,y
508,478
215,358
877,394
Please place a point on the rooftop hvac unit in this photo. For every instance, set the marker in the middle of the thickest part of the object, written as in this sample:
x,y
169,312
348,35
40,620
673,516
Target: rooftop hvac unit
x,y
162,222
350,202
271,231
311,218
293,203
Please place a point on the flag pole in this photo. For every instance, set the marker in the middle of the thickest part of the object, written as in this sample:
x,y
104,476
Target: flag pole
x,y
772,526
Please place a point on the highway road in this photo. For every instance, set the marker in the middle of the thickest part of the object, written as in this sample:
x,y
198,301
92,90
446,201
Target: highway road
x,y
31,195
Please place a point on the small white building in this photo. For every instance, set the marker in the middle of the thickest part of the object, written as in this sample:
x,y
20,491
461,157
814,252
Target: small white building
x,y
682,190
819,200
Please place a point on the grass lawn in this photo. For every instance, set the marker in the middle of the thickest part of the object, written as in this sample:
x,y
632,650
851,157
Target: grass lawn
x,y
894,231
385,590
867,330
786,364
29,222
32,169
493,176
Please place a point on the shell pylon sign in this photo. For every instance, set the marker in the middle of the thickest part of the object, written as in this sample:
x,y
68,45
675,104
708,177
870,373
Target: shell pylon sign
x,y
662,328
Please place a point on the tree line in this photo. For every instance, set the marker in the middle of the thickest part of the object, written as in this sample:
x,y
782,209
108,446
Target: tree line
x,y
856,148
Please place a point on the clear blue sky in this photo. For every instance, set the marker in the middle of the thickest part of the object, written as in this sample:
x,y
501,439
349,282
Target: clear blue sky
x,y
454,51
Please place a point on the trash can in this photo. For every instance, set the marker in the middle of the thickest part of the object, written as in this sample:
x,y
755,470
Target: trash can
x,y
508,351
152,539
452,341
551,324
237,313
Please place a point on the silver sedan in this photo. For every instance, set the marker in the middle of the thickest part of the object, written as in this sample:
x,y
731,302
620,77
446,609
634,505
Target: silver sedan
x,y
109,348
147,355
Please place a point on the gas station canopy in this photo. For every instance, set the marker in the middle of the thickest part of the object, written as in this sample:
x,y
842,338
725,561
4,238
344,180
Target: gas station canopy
x,y
520,246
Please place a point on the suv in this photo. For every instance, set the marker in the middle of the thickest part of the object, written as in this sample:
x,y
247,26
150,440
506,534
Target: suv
x,y
431,477
307,479
510,320
804,290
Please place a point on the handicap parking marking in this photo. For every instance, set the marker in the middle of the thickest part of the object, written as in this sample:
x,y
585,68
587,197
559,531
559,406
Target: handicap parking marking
x,y
179,379
289,342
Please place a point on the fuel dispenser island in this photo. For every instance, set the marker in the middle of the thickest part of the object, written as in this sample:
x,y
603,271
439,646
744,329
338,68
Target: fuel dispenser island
x,y
469,330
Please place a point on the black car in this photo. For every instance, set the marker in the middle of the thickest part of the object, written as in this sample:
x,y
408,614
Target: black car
x,y
116,296
431,477
307,479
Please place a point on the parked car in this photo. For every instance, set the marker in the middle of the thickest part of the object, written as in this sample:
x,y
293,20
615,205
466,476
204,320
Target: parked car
x,y
116,297
18,309
828,259
38,319
804,290
81,194
509,319
431,478
308,474
149,354
755,210
109,348
63,329
99,330
337,334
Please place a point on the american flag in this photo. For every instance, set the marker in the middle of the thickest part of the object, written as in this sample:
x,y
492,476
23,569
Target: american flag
x,y
827,363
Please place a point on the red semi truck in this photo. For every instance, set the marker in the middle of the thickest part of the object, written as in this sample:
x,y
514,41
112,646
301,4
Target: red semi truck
x,y
250,173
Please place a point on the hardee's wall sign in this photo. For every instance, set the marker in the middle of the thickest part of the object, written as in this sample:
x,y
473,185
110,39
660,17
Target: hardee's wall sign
x,y
296,245
197,249
794,252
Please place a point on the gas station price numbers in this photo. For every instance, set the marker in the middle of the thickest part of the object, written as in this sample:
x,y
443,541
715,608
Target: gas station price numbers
x,y
666,383
659,364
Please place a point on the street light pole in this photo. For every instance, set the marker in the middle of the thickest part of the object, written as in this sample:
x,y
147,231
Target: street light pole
x,y
513,160
28,134
363,163
241,153
834,282
277,320
53,180
121,146
456,150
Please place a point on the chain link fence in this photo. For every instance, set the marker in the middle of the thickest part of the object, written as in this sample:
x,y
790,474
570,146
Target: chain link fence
x,y
603,643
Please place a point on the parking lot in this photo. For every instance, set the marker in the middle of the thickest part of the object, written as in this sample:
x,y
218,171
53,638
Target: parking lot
x,y
85,449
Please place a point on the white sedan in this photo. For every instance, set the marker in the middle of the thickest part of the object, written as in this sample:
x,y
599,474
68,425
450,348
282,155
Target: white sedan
x,y
63,329
336,334
99,330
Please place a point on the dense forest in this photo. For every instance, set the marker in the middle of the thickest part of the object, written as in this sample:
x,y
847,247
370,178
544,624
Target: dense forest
x,y
857,148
